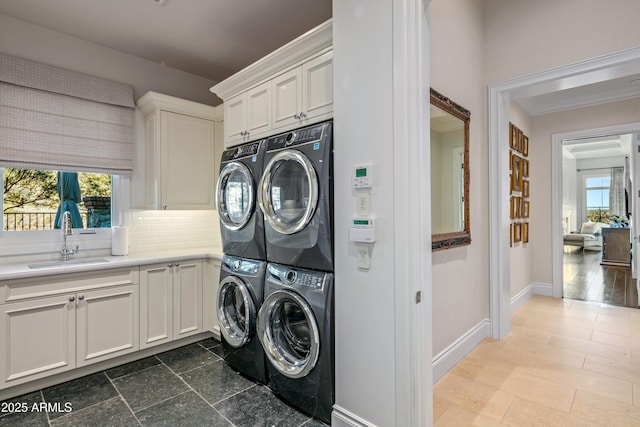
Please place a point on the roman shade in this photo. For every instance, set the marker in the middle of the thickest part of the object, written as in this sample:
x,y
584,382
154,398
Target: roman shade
x,y
56,119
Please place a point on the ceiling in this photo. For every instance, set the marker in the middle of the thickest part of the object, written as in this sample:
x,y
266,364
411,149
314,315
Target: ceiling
x,y
209,38
597,147
216,38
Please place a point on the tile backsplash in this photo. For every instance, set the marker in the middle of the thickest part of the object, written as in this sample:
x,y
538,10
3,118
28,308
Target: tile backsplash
x,y
153,230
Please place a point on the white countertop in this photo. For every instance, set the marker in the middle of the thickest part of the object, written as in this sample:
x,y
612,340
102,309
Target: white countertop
x,y
19,271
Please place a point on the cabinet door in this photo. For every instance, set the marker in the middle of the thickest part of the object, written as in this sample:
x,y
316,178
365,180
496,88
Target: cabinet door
x,y
187,162
156,305
258,108
210,282
317,84
187,298
235,119
287,98
38,339
107,323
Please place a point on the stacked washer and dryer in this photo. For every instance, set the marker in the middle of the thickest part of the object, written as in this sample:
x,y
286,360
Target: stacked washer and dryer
x,y
275,300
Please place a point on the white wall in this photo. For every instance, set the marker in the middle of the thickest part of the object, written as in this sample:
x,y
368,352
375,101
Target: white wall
x,y
36,43
461,275
569,195
380,118
364,134
610,114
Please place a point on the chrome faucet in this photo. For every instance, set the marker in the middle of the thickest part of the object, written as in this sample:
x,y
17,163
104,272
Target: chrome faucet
x,y
67,230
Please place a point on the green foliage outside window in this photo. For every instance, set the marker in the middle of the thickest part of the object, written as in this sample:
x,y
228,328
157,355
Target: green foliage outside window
x,y
598,215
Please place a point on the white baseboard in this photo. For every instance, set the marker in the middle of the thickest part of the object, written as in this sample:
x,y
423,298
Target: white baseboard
x,y
545,289
340,417
447,358
534,288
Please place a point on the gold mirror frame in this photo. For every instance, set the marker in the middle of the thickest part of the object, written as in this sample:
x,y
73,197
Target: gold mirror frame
x,y
456,238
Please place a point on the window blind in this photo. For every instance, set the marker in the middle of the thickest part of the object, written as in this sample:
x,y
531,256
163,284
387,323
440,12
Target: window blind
x,y
56,119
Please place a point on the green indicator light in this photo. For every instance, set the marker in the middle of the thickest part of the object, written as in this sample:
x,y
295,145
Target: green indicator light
x,y
360,222
360,172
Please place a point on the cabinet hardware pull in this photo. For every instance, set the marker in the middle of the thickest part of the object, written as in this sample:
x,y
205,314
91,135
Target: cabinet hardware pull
x,y
170,265
297,116
72,299
164,207
81,297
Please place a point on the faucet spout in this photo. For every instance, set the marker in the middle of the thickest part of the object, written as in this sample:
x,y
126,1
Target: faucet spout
x,y
67,230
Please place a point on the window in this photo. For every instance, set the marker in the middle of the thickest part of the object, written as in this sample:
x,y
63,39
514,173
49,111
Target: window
x,y
35,199
597,196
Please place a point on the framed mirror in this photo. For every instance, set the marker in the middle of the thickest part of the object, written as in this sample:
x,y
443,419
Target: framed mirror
x,y
450,223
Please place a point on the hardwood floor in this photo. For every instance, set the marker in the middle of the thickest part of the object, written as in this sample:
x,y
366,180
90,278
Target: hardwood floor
x,y
565,363
585,279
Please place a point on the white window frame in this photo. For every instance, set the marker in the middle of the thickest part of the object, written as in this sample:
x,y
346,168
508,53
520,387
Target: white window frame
x,y
594,173
34,242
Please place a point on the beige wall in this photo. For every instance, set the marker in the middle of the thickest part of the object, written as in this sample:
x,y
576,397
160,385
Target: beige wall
x,y
525,36
520,253
476,43
20,38
610,114
461,275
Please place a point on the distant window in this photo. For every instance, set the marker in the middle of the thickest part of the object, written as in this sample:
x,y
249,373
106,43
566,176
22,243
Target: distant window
x,y
597,196
35,199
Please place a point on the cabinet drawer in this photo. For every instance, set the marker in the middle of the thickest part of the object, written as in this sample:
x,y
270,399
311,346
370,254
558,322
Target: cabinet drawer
x,y
42,286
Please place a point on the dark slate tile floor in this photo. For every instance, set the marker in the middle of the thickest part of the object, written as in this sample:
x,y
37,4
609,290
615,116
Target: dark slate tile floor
x,y
188,386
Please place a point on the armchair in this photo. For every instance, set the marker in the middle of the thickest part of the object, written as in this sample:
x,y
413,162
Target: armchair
x,y
589,237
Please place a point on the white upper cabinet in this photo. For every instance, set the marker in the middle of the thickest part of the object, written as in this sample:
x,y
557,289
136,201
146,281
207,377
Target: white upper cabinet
x,y
287,98
179,153
248,114
289,88
317,84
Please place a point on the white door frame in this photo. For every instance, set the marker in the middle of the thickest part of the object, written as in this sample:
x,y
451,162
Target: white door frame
x,y
556,191
499,95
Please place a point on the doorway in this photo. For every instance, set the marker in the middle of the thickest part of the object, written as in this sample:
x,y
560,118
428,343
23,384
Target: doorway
x,y
596,197
585,74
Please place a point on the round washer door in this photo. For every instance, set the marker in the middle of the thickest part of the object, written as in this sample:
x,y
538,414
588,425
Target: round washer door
x,y
235,195
236,311
289,333
288,191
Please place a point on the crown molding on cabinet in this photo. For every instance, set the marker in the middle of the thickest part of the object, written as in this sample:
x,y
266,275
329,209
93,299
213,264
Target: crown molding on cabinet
x,y
289,55
152,101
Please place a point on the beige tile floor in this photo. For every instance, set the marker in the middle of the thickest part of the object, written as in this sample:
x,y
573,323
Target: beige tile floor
x,y
565,363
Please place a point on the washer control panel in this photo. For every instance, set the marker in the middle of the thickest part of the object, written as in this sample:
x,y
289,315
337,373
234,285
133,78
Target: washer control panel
x,y
296,278
298,137
307,280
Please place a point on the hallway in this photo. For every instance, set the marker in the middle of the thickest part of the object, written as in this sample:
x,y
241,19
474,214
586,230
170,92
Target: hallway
x,y
565,363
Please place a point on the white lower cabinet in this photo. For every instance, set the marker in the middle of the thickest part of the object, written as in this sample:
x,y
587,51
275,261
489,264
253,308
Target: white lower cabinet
x,y
48,335
171,301
39,339
52,324
107,323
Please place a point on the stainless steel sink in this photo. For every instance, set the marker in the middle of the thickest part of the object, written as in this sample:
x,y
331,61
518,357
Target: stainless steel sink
x,y
78,261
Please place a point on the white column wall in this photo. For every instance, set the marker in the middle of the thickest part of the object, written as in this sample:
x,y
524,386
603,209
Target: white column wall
x,y
379,381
